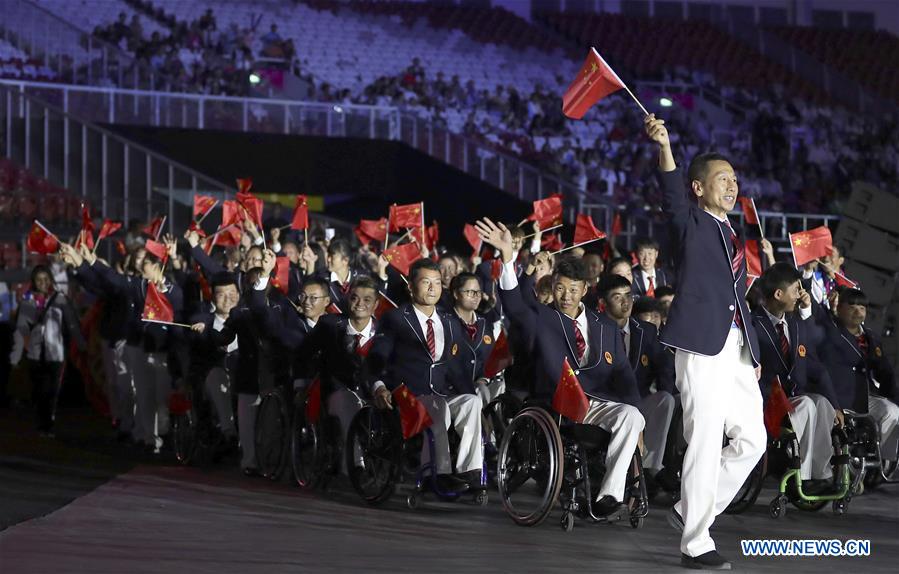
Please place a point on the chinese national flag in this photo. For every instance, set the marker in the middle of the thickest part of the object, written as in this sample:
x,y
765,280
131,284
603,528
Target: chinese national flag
x,y
385,305
552,242
414,416
471,235
749,211
86,235
373,229
227,236
431,236
753,260
405,216
595,81
333,309
810,245
616,225
547,212
569,399
41,241
108,228
202,205
300,214
496,269
585,231
777,406
244,186
314,402
157,249
154,228
403,256
844,281
253,206
157,306
231,213
500,357
281,280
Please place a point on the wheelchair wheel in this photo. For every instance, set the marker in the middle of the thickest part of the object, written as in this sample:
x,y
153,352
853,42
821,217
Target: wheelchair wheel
x,y
306,447
801,503
374,436
752,486
500,412
184,437
272,435
530,455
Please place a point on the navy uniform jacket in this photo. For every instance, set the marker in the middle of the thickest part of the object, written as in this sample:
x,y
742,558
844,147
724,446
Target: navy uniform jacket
x,y
399,355
112,327
707,293
638,285
550,335
253,369
475,352
804,373
650,360
852,373
328,350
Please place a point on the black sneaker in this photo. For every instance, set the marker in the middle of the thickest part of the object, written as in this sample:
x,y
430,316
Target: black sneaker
x,y
676,520
708,561
450,484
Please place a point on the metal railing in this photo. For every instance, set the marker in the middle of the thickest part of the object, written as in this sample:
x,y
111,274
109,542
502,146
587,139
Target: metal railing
x,y
119,178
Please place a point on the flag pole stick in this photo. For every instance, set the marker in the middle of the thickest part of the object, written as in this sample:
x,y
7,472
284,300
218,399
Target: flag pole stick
x,y
165,323
757,218
208,211
635,98
161,225
543,230
387,235
50,233
601,59
577,245
306,235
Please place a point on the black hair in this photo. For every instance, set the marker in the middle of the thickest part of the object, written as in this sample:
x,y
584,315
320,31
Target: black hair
x,y
574,269
340,246
646,304
462,278
617,261
664,291
363,282
422,265
850,296
41,268
699,167
779,276
223,278
517,232
315,280
646,243
609,283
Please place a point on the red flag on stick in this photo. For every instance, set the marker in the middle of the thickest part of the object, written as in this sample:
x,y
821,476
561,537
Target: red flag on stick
x,y
810,245
40,240
569,399
314,402
374,229
471,235
427,236
749,211
281,280
300,214
414,417
547,212
231,213
157,306
403,256
595,81
844,281
203,204
154,228
385,305
86,235
552,242
585,231
405,216
244,185
253,206
500,357
108,228
753,259
776,408
157,249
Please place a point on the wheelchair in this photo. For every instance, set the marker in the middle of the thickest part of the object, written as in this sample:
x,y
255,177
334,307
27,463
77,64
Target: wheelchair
x,y
874,470
272,432
378,458
543,460
314,440
196,437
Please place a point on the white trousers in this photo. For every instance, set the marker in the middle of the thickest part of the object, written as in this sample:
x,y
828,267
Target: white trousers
x,y
152,387
488,392
624,422
718,393
812,421
119,386
247,405
344,404
464,413
657,410
886,415
218,392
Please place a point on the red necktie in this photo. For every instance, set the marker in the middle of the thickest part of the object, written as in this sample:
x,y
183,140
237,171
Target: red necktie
x,y
651,290
472,330
784,343
432,344
357,342
579,343
862,342
736,263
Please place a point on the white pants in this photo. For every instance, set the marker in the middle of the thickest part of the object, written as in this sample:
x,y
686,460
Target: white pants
x,y
657,410
718,393
218,392
812,421
488,392
152,387
886,415
247,405
119,386
344,404
624,422
464,413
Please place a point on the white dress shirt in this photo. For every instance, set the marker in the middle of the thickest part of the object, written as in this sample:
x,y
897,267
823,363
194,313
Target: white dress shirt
x,y
218,323
803,315
365,332
647,277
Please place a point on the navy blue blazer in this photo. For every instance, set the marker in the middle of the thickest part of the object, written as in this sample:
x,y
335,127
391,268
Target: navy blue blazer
x,y
638,286
550,335
708,292
475,352
852,373
399,355
328,350
804,372
650,360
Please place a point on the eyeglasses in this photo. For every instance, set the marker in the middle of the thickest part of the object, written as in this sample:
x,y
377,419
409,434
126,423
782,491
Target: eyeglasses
x,y
313,298
470,292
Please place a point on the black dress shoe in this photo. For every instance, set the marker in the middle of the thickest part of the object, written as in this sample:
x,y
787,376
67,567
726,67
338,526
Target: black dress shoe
x,y
250,471
472,478
676,520
708,561
606,505
668,481
449,483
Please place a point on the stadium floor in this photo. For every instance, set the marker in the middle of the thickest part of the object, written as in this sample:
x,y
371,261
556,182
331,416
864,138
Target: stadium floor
x,y
80,504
